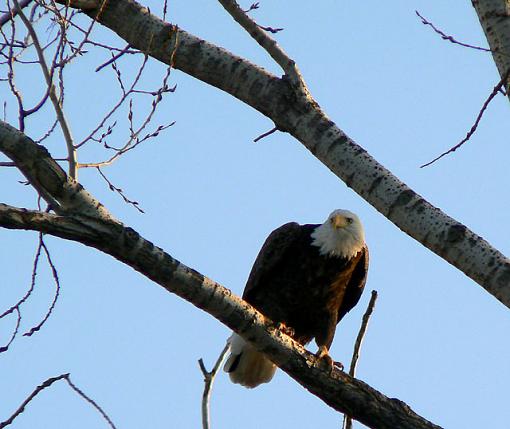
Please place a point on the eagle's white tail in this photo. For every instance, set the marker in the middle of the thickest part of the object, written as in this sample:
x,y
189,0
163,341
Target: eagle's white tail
x,y
247,366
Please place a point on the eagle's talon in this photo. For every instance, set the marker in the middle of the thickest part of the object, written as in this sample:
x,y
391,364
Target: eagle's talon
x,y
324,359
285,329
339,365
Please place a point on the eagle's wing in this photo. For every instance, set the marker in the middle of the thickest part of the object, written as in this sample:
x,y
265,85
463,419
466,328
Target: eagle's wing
x,y
271,253
356,284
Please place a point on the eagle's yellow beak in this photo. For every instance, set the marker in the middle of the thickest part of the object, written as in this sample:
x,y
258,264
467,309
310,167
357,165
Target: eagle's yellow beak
x,y
339,221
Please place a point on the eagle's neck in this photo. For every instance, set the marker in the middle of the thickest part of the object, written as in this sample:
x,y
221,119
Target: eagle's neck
x,y
344,243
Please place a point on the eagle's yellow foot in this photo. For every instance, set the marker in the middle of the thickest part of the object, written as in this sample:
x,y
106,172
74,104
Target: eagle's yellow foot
x,y
285,329
324,359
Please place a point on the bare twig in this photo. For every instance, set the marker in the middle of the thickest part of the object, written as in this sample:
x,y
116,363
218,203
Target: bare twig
x,y
253,6
209,377
357,347
71,151
47,383
445,36
494,92
38,390
113,58
269,44
16,307
6,17
271,131
165,9
113,188
270,29
57,290
89,400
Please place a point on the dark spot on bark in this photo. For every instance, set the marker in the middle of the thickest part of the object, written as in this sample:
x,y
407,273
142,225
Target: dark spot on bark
x,y
403,199
456,233
131,236
349,180
419,206
472,242
358,150
504,278
195,54
235,65
491,262
329,147
256,87
375,184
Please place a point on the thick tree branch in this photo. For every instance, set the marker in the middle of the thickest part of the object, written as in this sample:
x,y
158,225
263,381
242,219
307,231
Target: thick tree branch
x,y
300,115
108,235
63,194
494,16
338,390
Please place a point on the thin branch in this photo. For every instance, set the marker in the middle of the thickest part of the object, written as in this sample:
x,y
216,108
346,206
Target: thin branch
x,y
113,188
357,347
209,377
47,383
38,390
6,17
16,307
113,58
257,32
451,39
253,6
271,131
57,290
14,332
71,151
474,127
90,401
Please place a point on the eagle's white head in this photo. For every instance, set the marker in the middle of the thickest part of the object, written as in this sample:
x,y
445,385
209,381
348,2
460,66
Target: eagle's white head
x,y
341,235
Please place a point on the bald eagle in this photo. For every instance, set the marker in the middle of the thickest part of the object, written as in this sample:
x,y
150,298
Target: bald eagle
x,y
306,278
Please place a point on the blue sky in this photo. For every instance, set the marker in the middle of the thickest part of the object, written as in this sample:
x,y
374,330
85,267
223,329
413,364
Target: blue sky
x,y
437,340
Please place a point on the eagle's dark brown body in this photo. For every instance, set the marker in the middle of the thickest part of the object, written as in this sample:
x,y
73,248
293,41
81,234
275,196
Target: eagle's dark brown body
x,y
292,283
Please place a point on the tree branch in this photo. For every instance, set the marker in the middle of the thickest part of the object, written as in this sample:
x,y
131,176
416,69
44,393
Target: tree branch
x,y
340,391
337,389
63,194
494,16
302,117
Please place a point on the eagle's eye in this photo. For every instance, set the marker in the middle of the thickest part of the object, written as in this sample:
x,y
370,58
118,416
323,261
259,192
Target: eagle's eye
x,y
349,220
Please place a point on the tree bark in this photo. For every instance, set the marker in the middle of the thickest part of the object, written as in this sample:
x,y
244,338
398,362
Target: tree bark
x,y
494,16
302,117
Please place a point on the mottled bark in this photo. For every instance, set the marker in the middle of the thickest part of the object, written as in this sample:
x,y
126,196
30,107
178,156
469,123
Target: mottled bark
x,y
63,194
298,114
494,17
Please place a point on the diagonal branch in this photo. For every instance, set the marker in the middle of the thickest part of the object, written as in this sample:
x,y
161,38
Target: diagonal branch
x,y
303,119
337,389
287,64
63,194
